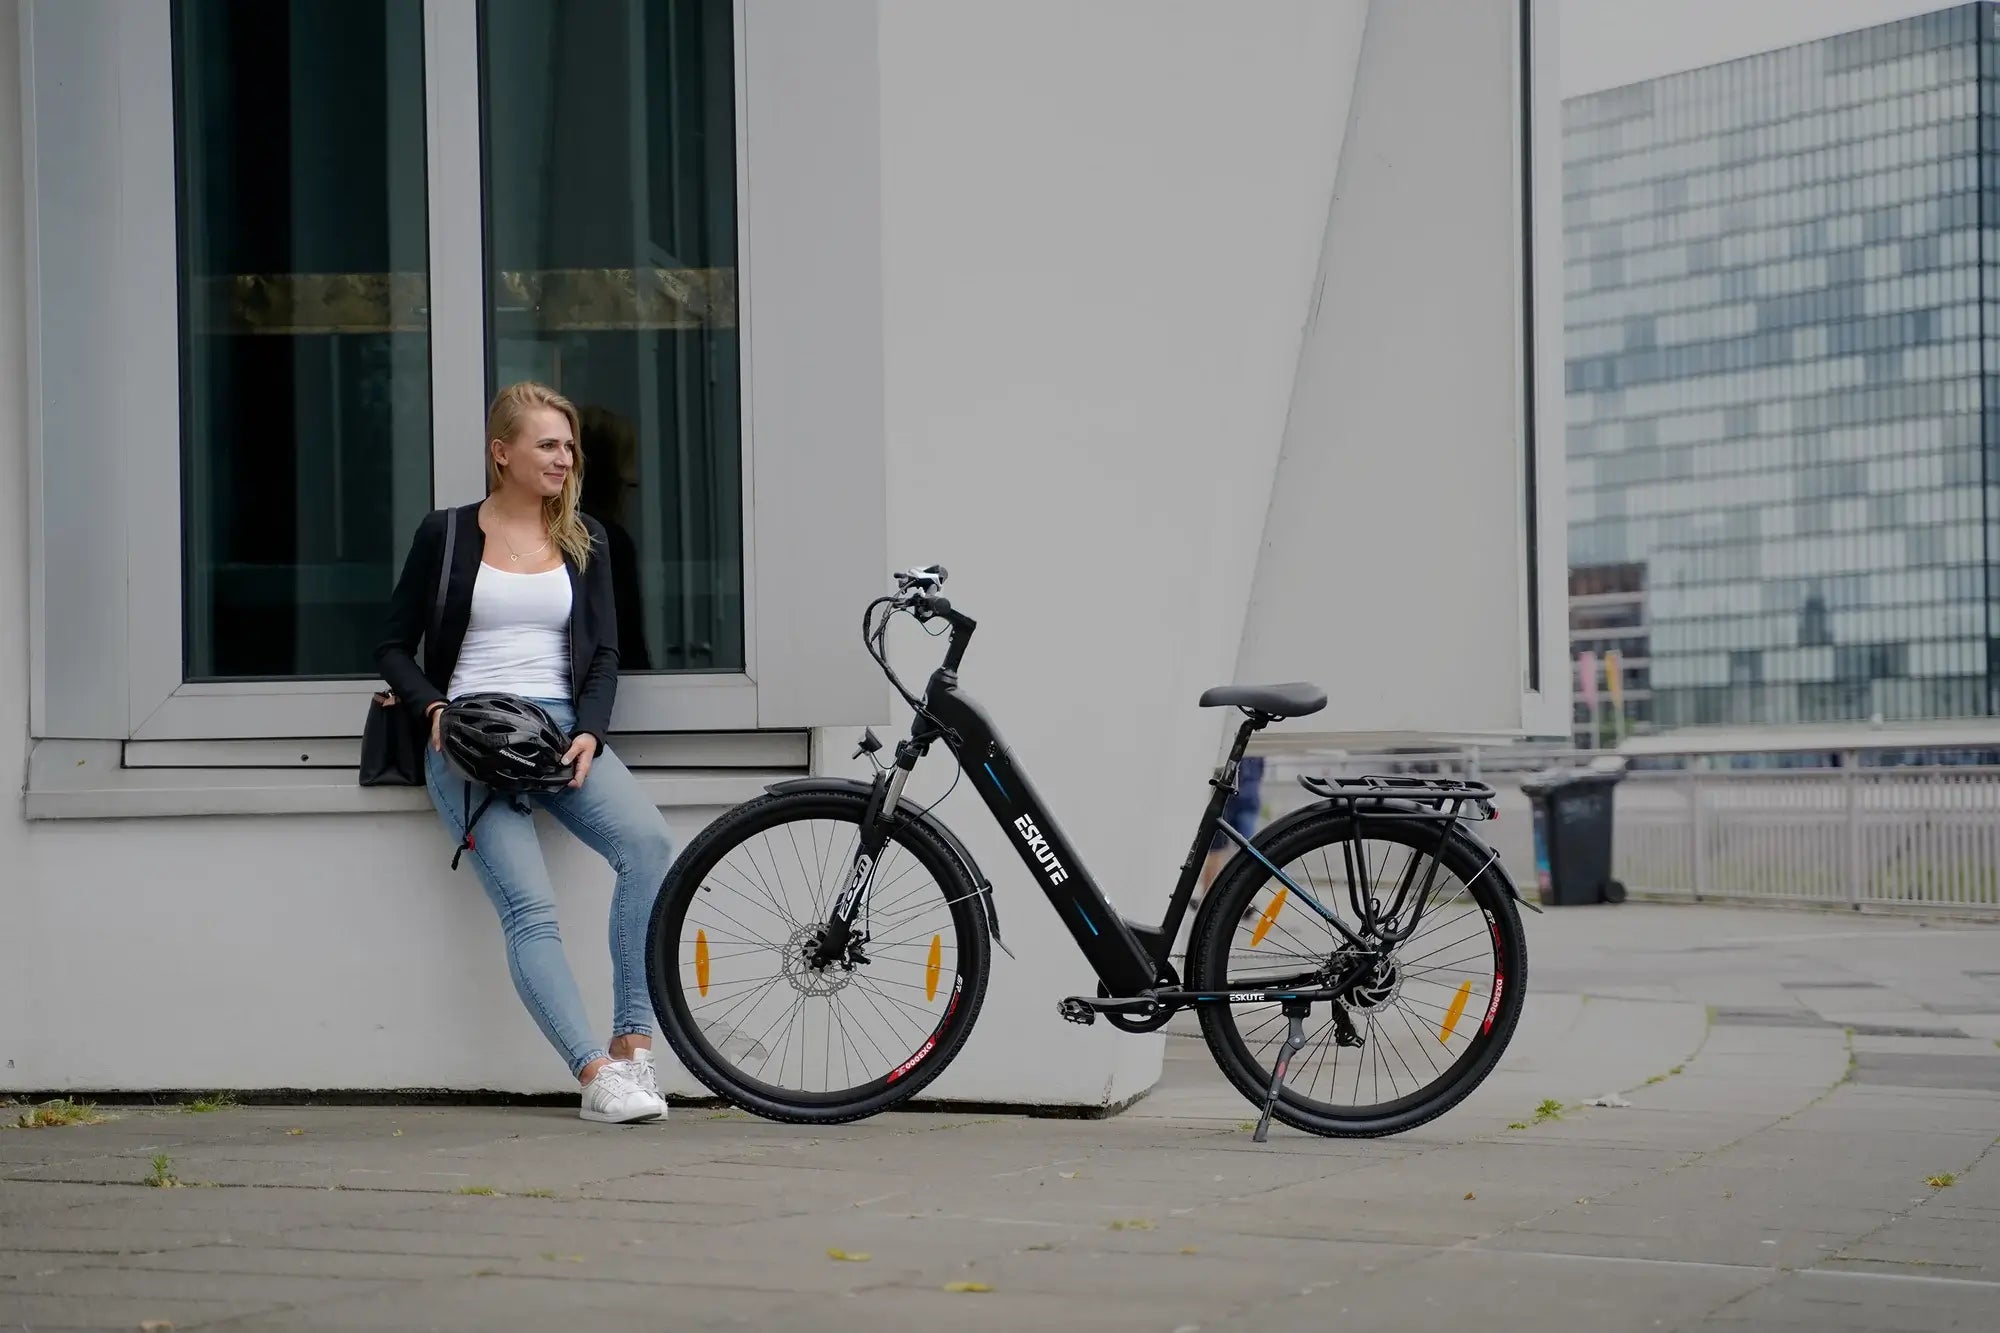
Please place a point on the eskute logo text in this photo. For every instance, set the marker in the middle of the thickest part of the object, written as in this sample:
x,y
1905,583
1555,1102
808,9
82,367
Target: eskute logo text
x,y
1038,847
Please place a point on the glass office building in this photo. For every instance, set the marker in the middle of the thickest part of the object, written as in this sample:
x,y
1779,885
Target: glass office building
x,y
1783,379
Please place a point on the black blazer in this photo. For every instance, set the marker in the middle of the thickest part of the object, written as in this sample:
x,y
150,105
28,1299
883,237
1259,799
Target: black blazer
x,y
593,621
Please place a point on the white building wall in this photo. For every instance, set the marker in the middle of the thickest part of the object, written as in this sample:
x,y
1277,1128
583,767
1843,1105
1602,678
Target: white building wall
x,y
1393,565
1101,229
17,946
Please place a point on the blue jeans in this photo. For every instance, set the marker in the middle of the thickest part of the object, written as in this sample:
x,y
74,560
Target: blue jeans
x,y
612,816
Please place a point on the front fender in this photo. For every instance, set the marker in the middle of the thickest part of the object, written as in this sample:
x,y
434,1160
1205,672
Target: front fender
x,y
932,824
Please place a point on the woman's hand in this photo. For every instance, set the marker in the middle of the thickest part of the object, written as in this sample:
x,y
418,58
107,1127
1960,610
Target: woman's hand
x,y
437,727
581,751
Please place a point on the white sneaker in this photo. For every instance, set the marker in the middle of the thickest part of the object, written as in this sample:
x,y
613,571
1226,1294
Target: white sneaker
x,y
642,1072
614,1098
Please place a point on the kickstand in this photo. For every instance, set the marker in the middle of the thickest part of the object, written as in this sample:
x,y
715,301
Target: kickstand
x,y
1295,1041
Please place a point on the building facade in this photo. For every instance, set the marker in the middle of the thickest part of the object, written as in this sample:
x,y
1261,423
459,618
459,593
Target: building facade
x,y
1610,639
1781,358
1119,327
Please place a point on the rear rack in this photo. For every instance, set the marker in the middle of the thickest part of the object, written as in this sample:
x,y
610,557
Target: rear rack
x,y
1385,796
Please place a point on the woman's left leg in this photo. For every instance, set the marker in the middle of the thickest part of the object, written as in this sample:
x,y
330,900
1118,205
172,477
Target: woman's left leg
x,y
613,816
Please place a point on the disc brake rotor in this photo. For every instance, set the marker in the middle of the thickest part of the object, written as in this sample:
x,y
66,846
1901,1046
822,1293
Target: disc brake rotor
x,y
1379,988
803,977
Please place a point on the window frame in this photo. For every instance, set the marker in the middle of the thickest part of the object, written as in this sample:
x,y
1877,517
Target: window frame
x,y
107,572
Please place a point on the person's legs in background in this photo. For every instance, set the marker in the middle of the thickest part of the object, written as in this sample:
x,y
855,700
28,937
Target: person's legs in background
x,y
1241,814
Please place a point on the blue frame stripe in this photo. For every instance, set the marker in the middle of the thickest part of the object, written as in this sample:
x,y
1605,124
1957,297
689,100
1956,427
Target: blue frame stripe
x,y
1288,881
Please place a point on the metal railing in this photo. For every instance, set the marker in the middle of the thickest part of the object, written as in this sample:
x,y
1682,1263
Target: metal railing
x,y
1915,838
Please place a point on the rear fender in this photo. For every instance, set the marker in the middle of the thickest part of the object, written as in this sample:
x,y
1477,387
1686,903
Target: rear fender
x,y
868,791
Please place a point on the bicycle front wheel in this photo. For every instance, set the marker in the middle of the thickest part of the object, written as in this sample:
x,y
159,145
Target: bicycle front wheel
x,y
730,961
1433,1016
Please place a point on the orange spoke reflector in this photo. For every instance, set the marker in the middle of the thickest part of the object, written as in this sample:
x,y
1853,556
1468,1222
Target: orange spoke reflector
x,y
701,962
1270,915
931,968
1456,1012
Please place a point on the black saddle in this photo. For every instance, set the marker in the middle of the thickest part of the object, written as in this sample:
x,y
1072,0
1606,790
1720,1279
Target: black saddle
x,y
1295,699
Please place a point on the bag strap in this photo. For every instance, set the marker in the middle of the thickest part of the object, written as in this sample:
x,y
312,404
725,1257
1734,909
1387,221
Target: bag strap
x,y
429,648
466,843
444,572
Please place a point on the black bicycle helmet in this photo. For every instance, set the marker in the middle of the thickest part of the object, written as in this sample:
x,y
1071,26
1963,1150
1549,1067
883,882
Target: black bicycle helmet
x,y
506,742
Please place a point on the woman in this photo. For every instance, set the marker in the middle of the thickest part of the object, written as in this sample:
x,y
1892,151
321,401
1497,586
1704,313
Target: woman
x,y
528,611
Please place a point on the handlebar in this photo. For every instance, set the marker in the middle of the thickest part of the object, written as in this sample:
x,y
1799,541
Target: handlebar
x,y
930,577
917,592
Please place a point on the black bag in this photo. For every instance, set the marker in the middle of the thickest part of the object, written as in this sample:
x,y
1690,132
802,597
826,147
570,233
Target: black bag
x,y
392,740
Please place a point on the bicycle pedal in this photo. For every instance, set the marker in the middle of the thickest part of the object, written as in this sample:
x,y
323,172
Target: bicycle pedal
x,y
1076,1011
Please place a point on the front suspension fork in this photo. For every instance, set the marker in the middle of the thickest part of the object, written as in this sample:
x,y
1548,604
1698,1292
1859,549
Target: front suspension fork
x,y
882,802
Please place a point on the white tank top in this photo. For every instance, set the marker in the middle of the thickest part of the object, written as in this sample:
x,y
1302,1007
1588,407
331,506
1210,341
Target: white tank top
x,y
517,641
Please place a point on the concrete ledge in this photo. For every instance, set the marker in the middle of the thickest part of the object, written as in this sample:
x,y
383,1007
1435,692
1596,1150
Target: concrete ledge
x,y
86,782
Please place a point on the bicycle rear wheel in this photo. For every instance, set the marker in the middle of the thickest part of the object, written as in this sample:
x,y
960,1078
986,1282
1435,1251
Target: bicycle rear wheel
x,y
1433,1019
740,1000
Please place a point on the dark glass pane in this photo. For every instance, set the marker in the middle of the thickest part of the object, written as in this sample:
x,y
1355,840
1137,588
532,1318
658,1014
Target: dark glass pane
x,y
305,343
611,221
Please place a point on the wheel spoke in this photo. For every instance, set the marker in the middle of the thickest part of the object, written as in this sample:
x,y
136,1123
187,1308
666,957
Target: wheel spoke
x,y
1417,1000
765,1017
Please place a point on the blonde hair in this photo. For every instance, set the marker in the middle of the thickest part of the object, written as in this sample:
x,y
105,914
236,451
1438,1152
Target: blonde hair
x,y
559,511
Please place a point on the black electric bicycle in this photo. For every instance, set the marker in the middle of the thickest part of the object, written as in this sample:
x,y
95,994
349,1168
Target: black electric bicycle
x,y
819,954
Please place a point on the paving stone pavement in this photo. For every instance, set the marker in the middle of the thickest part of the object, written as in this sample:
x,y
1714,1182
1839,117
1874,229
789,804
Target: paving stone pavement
x,y
1797,1081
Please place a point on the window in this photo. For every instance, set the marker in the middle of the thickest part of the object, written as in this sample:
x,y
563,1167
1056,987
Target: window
x,y
280,253
610,174
305,328
610,178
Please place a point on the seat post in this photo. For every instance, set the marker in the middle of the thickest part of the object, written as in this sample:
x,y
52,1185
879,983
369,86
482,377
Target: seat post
x,y
1252,724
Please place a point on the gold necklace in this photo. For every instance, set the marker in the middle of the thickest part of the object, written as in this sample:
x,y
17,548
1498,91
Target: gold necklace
x,y
519,556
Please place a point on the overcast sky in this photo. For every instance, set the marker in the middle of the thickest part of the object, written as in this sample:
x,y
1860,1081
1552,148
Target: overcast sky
x,y
1609,42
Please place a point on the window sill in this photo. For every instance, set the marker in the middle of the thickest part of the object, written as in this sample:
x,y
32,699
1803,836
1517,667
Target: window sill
x,y
85,780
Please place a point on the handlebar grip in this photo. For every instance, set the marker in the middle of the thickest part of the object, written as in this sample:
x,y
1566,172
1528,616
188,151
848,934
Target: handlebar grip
x,y
942,573
938,606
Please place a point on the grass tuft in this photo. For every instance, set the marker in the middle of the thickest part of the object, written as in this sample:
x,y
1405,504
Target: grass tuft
x,y
60,1113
